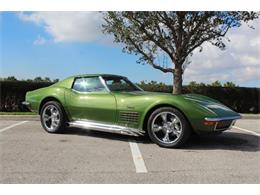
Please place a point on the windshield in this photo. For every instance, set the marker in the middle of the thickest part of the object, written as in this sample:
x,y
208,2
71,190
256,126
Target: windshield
x,y
116,83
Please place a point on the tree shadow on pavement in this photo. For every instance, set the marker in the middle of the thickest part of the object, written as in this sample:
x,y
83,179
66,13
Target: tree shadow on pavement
x,y
225,141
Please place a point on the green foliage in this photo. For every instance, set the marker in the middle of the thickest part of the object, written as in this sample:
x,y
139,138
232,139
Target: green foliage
x,y
47,79
36,79
55,80
195,84
229,84
155,86
10,78
216,84
171,36
240,99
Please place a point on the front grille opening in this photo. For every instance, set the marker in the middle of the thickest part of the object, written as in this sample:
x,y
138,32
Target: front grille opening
x,y
225,124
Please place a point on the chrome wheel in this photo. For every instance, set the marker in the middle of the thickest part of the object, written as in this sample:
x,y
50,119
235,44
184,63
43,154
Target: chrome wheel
x,y
51,117
166,127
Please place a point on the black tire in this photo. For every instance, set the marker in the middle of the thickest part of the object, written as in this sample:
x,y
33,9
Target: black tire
x,y
217,133
61,125
183,136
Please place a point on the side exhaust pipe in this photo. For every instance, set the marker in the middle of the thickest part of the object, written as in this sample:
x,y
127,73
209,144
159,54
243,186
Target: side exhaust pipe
x,y
107,127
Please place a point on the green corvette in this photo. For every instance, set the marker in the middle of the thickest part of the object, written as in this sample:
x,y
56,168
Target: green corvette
x,y
112,103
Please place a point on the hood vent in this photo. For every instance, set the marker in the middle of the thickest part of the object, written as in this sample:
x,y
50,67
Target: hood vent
x,y
128,117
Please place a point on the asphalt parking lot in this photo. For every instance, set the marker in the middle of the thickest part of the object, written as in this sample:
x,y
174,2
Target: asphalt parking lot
x,y
30,155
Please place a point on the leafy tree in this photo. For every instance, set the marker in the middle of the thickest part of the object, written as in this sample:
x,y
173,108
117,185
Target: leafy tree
x,y
38,79
55,80
166,40
10,78
195,84
229,84
47,79
216,84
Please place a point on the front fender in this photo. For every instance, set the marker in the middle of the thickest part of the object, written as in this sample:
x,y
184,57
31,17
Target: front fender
x,y
192,111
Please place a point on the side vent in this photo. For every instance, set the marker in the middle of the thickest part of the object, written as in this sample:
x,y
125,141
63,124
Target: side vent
x,y
128,117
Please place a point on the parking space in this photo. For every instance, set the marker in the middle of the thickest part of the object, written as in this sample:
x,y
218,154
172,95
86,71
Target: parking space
x,y
30,155
6,124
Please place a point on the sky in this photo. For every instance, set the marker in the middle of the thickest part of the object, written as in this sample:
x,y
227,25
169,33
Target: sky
x,y
61,44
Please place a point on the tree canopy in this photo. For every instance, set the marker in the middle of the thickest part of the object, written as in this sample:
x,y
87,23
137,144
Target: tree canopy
x,y
166,40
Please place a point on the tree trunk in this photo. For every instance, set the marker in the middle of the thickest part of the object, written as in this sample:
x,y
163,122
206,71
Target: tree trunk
x,y
177,81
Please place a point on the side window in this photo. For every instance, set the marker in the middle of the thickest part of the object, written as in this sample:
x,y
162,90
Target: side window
x,y
118,84
88,84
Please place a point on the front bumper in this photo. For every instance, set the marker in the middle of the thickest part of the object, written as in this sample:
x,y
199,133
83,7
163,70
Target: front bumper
x,y
222,123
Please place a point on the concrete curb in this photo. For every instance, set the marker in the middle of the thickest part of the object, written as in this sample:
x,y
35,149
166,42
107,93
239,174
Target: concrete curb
x,y
37,117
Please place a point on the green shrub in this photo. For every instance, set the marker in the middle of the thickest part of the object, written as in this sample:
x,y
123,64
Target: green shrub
x,y
240,99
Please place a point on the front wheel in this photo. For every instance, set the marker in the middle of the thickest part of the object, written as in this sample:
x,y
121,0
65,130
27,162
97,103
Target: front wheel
x,y
52,117
168,128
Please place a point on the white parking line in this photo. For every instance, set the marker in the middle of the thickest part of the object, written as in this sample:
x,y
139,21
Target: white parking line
x,y
137,158
251,132
11,126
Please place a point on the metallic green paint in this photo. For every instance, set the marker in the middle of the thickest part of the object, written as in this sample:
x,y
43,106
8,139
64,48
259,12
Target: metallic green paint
x,y
105,106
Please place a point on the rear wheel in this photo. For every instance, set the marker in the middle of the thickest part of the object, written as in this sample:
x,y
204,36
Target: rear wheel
x,y
52,117
167,127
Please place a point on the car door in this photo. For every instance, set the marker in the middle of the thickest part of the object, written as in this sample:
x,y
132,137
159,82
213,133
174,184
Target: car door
x,y
89,99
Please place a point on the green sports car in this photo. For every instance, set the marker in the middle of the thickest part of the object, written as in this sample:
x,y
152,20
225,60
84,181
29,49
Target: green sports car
x,y
112,103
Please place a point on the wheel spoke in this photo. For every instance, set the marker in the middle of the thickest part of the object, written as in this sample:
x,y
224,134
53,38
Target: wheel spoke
x,y
176,132
164,117
166,137
51,110
174,120
157,128
54,124
46,117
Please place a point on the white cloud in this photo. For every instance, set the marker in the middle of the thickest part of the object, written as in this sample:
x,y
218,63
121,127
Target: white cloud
x,y
240,62
67,26
40,41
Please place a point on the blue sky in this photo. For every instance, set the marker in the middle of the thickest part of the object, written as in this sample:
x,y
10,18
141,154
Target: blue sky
x,y
58,45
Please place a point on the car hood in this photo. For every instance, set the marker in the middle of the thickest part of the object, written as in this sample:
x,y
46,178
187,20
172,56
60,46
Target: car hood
x,y
211,105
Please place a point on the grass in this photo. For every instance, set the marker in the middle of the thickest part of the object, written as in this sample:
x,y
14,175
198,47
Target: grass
x,y
18,113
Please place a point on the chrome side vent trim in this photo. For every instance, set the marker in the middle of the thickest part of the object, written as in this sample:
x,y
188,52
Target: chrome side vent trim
x,y
107,127
128,117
